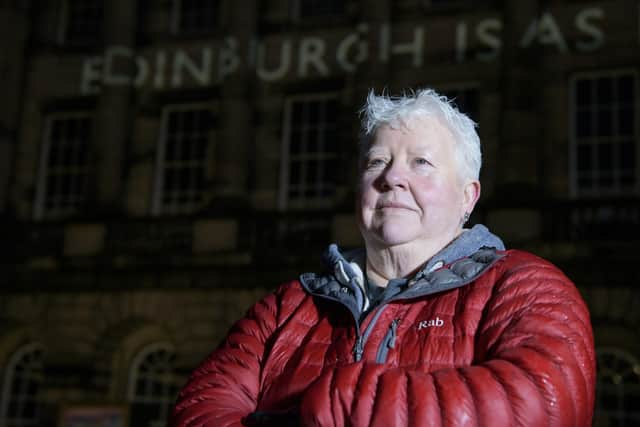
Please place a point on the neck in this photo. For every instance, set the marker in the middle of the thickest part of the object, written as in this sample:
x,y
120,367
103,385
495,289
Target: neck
x,y
400,261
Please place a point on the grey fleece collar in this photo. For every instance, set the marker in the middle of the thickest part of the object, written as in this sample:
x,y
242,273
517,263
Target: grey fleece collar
x,y
466,244
459,263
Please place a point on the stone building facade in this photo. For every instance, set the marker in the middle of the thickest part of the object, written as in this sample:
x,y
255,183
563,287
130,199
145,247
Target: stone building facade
x,y
165,163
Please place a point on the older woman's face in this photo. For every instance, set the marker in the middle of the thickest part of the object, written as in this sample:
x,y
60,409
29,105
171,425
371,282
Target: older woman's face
x,y
410,189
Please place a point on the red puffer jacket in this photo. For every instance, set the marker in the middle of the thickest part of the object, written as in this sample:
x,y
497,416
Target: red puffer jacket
x,y
504,342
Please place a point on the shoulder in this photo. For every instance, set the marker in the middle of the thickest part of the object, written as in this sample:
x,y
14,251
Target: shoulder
x,y
285,299
290,289
518,262
519,272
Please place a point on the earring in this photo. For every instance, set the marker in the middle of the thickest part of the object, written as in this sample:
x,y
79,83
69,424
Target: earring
x,y
465,218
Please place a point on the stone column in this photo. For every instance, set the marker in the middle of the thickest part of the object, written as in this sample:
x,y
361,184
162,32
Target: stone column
x,y
520,98
235,143
14,30
114,116
374,72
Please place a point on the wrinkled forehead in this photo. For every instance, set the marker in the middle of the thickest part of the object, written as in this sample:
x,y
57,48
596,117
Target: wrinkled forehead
x,y
418,124
438,137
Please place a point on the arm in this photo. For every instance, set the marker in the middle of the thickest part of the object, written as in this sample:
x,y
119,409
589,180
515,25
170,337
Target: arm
x,y
534,366
224,388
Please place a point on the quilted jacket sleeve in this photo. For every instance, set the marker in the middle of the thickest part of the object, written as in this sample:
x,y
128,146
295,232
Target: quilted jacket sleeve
x,y
534,366
224,388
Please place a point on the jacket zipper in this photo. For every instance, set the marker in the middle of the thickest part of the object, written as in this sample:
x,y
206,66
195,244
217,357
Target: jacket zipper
x,y
361,339
388,342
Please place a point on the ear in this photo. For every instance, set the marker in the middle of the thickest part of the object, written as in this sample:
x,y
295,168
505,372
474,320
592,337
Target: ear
x,y
471,194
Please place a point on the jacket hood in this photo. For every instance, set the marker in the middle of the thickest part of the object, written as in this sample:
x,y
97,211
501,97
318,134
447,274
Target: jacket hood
x,y
457,264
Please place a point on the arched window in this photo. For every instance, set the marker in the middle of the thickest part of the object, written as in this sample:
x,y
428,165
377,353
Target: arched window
x,y
19,405
618,388
153,386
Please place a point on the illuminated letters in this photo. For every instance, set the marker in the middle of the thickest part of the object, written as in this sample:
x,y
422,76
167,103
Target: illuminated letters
x,y
342,52
584,24
311,51
546,32
272,59
182,61
281,71
490,40
228,60
416,46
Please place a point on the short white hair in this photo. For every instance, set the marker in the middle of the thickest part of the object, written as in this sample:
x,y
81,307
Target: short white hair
x,y
381,110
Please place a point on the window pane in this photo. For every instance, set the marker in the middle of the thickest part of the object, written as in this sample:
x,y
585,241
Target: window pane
x,y
618,388
583,92
585,157
604,90
312,172
185,160
605,113
67,164
320,8
294,144
627,155
626,89
312,144
84,21
24,374
198,15
604,124
155,389
625,121
584,124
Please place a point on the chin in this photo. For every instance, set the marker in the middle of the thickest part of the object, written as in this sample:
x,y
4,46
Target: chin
x,y
395,235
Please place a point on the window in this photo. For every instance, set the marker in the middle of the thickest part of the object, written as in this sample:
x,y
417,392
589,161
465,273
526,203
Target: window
x,y
604,134
309,151
195,16
19,405
448,3
303,9
62,187
617,388
182,159
82,22
465,98
153,386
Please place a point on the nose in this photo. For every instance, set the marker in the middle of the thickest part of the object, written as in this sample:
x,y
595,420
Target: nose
x,y
394,176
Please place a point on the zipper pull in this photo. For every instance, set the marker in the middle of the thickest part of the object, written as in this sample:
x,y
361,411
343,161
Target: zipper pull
x,y
358,348
394,328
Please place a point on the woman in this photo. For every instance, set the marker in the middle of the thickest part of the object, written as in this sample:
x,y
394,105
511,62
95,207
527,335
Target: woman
x,y
431,324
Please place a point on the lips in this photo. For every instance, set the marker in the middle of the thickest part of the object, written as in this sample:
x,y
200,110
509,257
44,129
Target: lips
x,y
393,205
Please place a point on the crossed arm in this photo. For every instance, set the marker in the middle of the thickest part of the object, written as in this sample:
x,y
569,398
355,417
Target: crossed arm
x,y
534,366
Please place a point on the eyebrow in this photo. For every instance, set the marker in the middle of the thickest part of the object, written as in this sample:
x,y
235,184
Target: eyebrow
x,y
374,150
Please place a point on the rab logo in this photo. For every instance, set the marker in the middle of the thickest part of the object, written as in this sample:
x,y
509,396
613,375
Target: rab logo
x,y
433,323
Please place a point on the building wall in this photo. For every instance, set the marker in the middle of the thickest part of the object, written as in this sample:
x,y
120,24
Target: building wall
x,y
119,271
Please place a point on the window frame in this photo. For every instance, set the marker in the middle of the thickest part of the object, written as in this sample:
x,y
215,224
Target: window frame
x,y
136,362
451,5
63,23
158,206
176,18
296,12
40,210
284,200
575,192
7,381
620,414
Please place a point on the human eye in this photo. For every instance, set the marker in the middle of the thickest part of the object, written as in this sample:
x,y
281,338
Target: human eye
x,y
422,161
375,162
